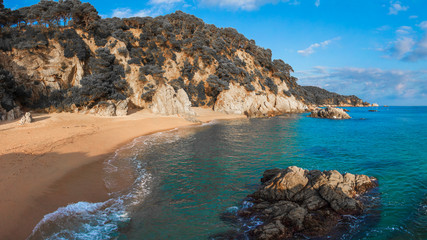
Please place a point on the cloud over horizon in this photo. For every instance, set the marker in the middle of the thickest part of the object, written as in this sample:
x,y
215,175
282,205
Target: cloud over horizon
x,y
370,84
311,49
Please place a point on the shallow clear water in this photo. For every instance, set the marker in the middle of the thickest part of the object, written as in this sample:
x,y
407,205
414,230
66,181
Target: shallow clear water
x,y
186,179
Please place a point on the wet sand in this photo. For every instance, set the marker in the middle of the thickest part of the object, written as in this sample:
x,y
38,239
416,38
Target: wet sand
x,y
58,159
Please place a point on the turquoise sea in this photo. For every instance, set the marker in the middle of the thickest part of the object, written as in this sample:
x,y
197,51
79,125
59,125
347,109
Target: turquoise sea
x,y
186,180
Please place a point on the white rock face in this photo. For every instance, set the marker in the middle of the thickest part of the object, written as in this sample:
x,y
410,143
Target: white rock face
x,y
110,108
11,115
237,100
26,118
122,107
168,102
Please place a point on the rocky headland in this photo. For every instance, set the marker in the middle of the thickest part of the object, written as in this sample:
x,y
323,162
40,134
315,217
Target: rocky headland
x,y
67,58
309,203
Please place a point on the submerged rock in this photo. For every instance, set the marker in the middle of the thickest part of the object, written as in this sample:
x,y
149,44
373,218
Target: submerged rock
x,y
26,118
296,201
329,112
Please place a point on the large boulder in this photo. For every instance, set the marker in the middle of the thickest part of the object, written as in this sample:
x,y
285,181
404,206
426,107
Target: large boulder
x,y
329,112
167,101
26,118
297,201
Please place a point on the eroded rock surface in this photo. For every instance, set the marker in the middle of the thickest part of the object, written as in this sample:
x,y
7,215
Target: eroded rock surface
x,y
329,112
237,100
26,119
167,101
294,200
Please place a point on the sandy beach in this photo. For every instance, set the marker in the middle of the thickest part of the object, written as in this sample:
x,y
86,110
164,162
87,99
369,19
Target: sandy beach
x,y
58,159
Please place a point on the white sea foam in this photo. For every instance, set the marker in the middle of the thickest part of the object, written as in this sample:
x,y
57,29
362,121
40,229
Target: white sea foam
x,y
102,220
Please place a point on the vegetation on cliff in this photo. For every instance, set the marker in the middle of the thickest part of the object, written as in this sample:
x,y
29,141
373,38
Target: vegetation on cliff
x,y
114,59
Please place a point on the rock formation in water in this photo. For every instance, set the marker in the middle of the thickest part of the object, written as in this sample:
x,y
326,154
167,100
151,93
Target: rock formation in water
x,y
294,200
329,112
67,58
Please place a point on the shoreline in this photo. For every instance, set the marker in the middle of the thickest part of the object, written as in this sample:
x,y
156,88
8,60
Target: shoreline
x,y
58,160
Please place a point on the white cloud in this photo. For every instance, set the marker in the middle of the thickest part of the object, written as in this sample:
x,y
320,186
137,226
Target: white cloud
x,y
311,49
419,52
410,45
164,1
402,46
371,84
247,5
404,30
413,17
423,25
396,7
127,13
383,28
317,3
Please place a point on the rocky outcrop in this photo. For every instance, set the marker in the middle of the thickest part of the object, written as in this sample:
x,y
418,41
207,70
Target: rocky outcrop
x,y
237,100
11,114
26,119
294,200
329,112
167,101
109,108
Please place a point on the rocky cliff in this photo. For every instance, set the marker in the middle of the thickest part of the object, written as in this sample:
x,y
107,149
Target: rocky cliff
x,y
72,60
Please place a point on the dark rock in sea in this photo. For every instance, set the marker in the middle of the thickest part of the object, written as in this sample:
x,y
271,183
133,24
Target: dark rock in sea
x,y
372,110
329,112
294,201
345,110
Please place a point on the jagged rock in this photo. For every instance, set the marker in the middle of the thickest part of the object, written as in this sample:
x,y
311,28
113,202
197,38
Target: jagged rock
x,y
10,115
237,100
167,101
329,112
104,109
294,200
3,114
26,119
345,110
122,107
372,110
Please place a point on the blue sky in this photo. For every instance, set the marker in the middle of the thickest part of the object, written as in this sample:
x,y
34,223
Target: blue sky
x,y
375,49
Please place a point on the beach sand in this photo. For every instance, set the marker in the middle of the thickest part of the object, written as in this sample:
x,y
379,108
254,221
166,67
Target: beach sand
x,y
58,159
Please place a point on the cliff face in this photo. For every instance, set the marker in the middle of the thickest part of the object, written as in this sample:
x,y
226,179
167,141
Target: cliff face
x,y
109,60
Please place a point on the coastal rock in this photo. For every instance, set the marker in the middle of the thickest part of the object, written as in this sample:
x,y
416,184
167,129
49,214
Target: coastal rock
x,y
167,101
11,115
122,107
372,110
26,118
104,109
329,112
294,200
237,100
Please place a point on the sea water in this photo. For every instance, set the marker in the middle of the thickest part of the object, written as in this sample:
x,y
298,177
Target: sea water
x,y
186,180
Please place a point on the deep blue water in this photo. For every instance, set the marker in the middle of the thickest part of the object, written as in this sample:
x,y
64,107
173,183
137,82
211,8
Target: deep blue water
x,y
186,179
